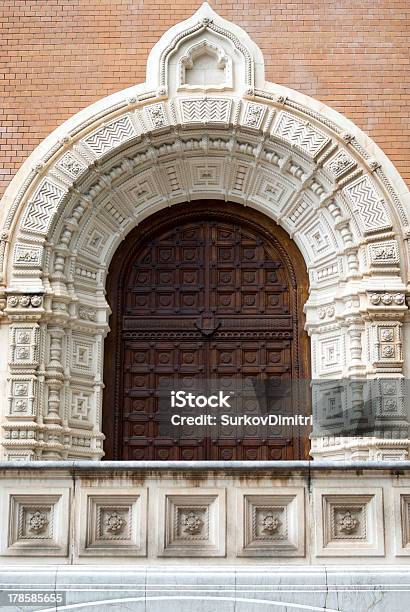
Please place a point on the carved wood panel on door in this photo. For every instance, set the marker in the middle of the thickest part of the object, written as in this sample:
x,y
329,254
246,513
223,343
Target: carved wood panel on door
x,y
202,291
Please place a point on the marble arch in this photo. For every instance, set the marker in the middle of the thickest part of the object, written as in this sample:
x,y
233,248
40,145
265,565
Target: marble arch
x,y
156,144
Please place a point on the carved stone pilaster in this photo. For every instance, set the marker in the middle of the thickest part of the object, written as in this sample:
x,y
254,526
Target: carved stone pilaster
x,y
355,333
54,375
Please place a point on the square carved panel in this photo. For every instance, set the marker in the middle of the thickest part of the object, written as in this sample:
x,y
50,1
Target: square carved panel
x,y
349,524
23,345
81,407
37,523
83,355
112,524
191,524
330,355
348,521
270,524
21,396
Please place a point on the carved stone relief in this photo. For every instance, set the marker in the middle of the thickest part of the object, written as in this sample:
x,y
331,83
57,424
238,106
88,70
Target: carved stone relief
x,y
331,517
349,524
243,141
192,524
272,523
110,135
115,523
38,523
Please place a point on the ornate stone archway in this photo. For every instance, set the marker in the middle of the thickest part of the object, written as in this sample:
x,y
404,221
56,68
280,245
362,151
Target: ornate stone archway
x,y
173,139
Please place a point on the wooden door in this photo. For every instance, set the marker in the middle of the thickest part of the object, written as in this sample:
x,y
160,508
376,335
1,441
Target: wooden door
x,y
203,291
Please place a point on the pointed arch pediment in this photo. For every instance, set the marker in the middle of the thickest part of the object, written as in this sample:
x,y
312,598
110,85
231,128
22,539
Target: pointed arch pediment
x,y
205,25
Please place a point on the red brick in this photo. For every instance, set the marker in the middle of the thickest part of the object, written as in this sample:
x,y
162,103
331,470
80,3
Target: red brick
x,y
58,56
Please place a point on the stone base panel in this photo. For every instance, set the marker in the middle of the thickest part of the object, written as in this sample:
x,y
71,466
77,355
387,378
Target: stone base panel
x,y
272,513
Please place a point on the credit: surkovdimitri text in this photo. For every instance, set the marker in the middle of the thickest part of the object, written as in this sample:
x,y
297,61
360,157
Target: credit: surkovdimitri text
x,y
244,419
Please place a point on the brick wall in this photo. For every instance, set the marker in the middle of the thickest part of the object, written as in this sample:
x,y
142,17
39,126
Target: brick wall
x,y
58,56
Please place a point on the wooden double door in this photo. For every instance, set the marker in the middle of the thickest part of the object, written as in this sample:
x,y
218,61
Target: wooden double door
x,y
205,291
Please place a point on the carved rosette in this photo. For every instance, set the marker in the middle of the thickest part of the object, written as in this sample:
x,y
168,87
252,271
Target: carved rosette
x,y
193,523
115,523
38,522
347,523
270,524
24,301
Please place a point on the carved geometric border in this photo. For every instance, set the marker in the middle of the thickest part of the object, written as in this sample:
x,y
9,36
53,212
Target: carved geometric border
x,y
37,523
270,523
112,522
191,523
349,524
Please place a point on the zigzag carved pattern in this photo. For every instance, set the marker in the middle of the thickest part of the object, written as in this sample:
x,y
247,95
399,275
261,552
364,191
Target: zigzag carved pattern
x,y
41,208
367,203
110,136
301,134
206,111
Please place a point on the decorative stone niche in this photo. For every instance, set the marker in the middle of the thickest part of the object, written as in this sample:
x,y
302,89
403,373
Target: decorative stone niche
x,y
271,524
349,524
191,524
205,67
38,523
115,523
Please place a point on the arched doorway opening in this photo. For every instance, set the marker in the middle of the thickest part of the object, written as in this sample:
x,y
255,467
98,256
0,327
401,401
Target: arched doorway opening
x,y
157,144
208,290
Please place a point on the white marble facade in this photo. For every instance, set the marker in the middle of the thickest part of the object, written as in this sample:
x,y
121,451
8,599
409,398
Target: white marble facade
x,y
234,536
219,512
226,135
